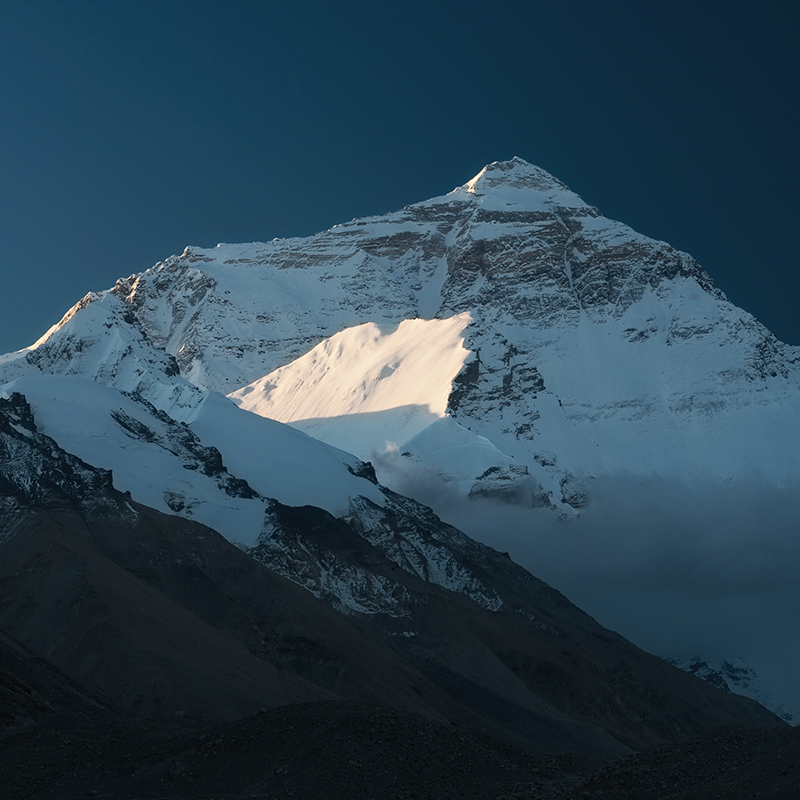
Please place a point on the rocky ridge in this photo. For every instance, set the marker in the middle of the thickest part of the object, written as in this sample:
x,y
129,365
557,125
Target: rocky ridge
x,y
165,464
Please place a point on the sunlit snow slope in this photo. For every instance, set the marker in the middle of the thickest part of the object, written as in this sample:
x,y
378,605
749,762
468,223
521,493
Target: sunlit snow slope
x,y
369,387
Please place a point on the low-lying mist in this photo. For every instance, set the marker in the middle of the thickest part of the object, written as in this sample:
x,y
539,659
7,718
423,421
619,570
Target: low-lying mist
x,y
708,570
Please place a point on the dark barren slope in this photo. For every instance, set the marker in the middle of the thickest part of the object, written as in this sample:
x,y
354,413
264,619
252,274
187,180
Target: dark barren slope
x,y
320,751
314,750
163,615
32,689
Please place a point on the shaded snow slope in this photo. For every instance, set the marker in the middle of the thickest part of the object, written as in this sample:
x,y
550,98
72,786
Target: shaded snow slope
x,y
172,468
245,476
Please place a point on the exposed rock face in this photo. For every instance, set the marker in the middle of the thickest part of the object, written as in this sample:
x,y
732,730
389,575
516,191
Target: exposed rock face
x,y
514,242
33,465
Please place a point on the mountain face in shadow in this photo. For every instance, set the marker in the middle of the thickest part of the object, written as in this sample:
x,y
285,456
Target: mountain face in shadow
x,y
163,615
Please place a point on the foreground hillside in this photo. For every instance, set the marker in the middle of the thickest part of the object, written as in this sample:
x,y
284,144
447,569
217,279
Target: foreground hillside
x,y
319,751
61,738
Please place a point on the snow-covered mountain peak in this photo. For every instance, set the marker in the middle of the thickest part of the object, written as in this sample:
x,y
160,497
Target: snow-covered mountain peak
x,y
515,172
516,184
505,341
591,344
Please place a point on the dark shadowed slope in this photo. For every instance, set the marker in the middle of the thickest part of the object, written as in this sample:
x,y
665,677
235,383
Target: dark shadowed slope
x,y
164,615
325,750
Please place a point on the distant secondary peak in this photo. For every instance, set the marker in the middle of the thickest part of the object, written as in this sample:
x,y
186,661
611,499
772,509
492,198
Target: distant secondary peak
x,y
513,174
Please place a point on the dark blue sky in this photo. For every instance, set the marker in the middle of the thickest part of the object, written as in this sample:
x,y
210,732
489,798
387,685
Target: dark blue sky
x,y
129,130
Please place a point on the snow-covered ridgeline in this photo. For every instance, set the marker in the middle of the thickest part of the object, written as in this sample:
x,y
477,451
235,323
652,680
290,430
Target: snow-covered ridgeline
x,y
227,468
366,383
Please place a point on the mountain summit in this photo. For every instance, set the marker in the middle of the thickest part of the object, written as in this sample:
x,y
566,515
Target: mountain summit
x,y
514,174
